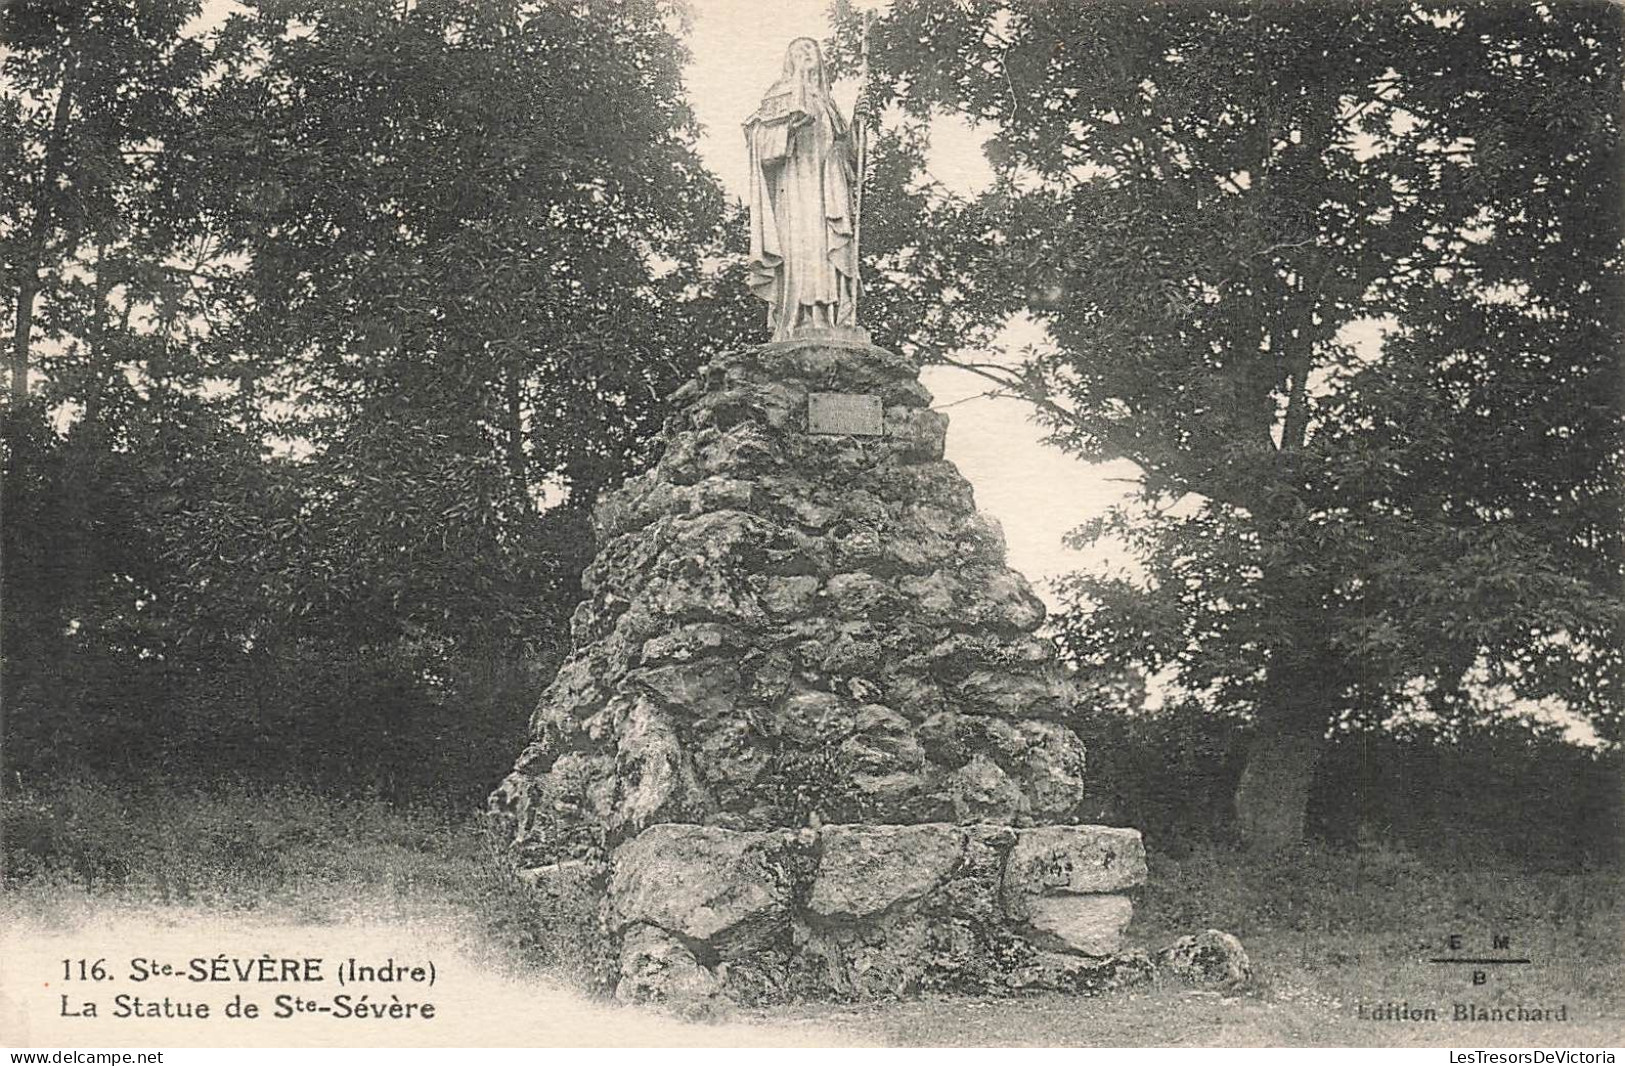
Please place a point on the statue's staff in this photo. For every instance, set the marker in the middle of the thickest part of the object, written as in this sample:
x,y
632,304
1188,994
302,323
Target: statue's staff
x,y
860,120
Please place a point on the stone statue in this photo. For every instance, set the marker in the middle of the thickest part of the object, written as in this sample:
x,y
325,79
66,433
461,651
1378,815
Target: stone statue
x,y
805,167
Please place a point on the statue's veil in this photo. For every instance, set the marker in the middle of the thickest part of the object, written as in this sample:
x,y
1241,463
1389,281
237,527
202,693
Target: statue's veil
x,y
821,84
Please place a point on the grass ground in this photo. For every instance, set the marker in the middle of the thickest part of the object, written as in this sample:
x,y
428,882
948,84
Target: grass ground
x,y
1335,937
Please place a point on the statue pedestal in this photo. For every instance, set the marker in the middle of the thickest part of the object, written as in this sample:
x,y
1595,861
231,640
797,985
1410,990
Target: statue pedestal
x,y
805,724
873,911
854,334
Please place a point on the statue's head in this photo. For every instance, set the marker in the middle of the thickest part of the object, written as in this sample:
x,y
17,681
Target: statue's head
x,y
802,59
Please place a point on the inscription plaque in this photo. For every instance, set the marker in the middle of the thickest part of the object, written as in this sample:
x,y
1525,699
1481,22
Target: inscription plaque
x,y
854,414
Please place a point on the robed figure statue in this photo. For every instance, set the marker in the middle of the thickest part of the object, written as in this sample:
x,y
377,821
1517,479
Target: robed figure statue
x,y
803,200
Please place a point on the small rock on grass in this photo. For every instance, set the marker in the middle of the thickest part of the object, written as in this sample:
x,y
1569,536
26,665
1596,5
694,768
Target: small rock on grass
x,y
1211,958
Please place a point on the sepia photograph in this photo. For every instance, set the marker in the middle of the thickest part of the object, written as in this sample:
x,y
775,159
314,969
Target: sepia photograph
x,y
788,523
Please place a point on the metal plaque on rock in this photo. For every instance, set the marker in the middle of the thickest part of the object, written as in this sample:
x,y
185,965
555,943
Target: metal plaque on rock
x,y
845,413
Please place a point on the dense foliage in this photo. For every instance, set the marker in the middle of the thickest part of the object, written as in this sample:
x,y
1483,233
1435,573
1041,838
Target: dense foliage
x,y
329,320
1207,205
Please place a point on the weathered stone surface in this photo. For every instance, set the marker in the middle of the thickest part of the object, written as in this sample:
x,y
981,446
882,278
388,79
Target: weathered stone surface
x,y
718,493
789,597
1012,695
572,696
700,882
860,595
1088,925
938,485
960,655
690,687
688,643
934,597
883,742
745,449
841,365
924,431
987,596
655,967
916,697
729,757
898,796
851,651
1211,957
946,739
862,961
658,782
865,870
1054,763
1074,859
706,595
1082,974
815,717
983,792
778,405
1009,593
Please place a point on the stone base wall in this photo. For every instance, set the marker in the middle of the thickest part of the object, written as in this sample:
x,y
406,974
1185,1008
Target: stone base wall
x,y
697,913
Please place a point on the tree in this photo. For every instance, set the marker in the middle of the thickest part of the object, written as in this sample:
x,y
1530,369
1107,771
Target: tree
x,y
375,297
476,236
107,423
1204,204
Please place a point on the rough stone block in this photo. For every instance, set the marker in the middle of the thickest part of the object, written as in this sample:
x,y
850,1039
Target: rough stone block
x,y
1006,694
1082,974
1074,859
1088,925
1017,606
743,450
922,431
861,595
983,791
900,792
1054,766
699,881
847,654
883,743
917,697
723,494
811,718
861,546
864,870
934,601
729,755
687,643
694,687
659,783
851,911
789,597
862,961
657,968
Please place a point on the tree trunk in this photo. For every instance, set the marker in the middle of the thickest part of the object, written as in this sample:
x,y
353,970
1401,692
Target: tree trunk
x,y
1273,796
1274,792
22,333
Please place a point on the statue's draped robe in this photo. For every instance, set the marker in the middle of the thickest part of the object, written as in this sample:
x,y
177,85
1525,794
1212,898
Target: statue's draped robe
x,y
802,212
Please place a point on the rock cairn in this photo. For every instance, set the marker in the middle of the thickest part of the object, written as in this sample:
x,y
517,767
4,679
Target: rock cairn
x,y
806,742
